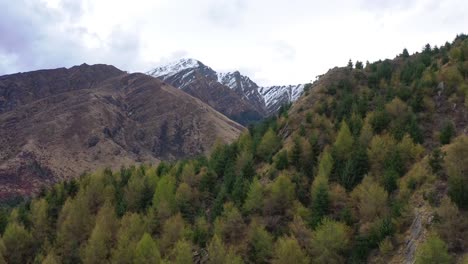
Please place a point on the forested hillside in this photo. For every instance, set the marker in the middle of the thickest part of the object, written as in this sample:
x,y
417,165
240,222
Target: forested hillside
x,y
370,165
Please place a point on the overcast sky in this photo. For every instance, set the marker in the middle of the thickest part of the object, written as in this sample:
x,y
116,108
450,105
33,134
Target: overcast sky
x,y
272,41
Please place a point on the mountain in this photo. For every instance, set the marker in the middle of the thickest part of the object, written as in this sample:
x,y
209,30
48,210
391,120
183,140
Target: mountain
x,y
277,96
369,165
190,75
200,81
56,124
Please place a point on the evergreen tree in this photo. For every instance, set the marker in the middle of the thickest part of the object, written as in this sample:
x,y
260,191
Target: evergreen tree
x,y
183,252
344,142
281,160
456,165
97,249
330,242
268,145
320,200
132,227
359,65
18,244
146,251
253,202
433,251
447,132
172,231
40,220
296,153
260,245
405,53
287,251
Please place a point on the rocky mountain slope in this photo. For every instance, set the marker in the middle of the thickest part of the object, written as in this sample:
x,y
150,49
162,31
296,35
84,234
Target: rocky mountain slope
x,y
56,124
187,73
200,81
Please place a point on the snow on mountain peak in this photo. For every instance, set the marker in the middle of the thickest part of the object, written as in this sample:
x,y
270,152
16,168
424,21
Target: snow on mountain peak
x,y
269,98
174,67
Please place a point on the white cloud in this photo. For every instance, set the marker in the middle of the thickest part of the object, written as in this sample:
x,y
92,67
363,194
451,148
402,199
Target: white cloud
x,y
278,42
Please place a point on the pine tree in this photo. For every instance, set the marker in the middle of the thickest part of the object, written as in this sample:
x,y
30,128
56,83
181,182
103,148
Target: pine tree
x,y
344,142
132,228
146,251
74,226
330,242
433,251
260,245
405,53
268,145
320,200
281,160
359,65
18,244
39,219
447,132
183,252
287,251
173,230
296,153
97,249
253,202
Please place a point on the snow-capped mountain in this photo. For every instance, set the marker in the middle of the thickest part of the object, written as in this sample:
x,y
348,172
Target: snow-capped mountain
x,y
200,81
276,96
244,87
265,100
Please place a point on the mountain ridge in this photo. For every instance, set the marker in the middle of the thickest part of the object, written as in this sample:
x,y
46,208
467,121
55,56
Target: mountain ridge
x,y
266,99
58,123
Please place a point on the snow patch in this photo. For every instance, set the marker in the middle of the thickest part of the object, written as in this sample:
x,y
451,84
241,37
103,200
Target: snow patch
x,y
174,67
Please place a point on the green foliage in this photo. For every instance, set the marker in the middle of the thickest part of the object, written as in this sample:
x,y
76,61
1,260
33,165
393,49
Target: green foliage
x,y
254,201
344,142
456,165
380,121
281,160
131,230
268,145
447,133
405,53
183,252
219,254
330,242
353,155
359,65
146,251
287,250
436,160
18,244
260,245
434,250
98,247
320,200
282,194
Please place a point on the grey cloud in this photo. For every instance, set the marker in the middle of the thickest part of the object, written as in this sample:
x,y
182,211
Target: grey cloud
x,y
34,36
